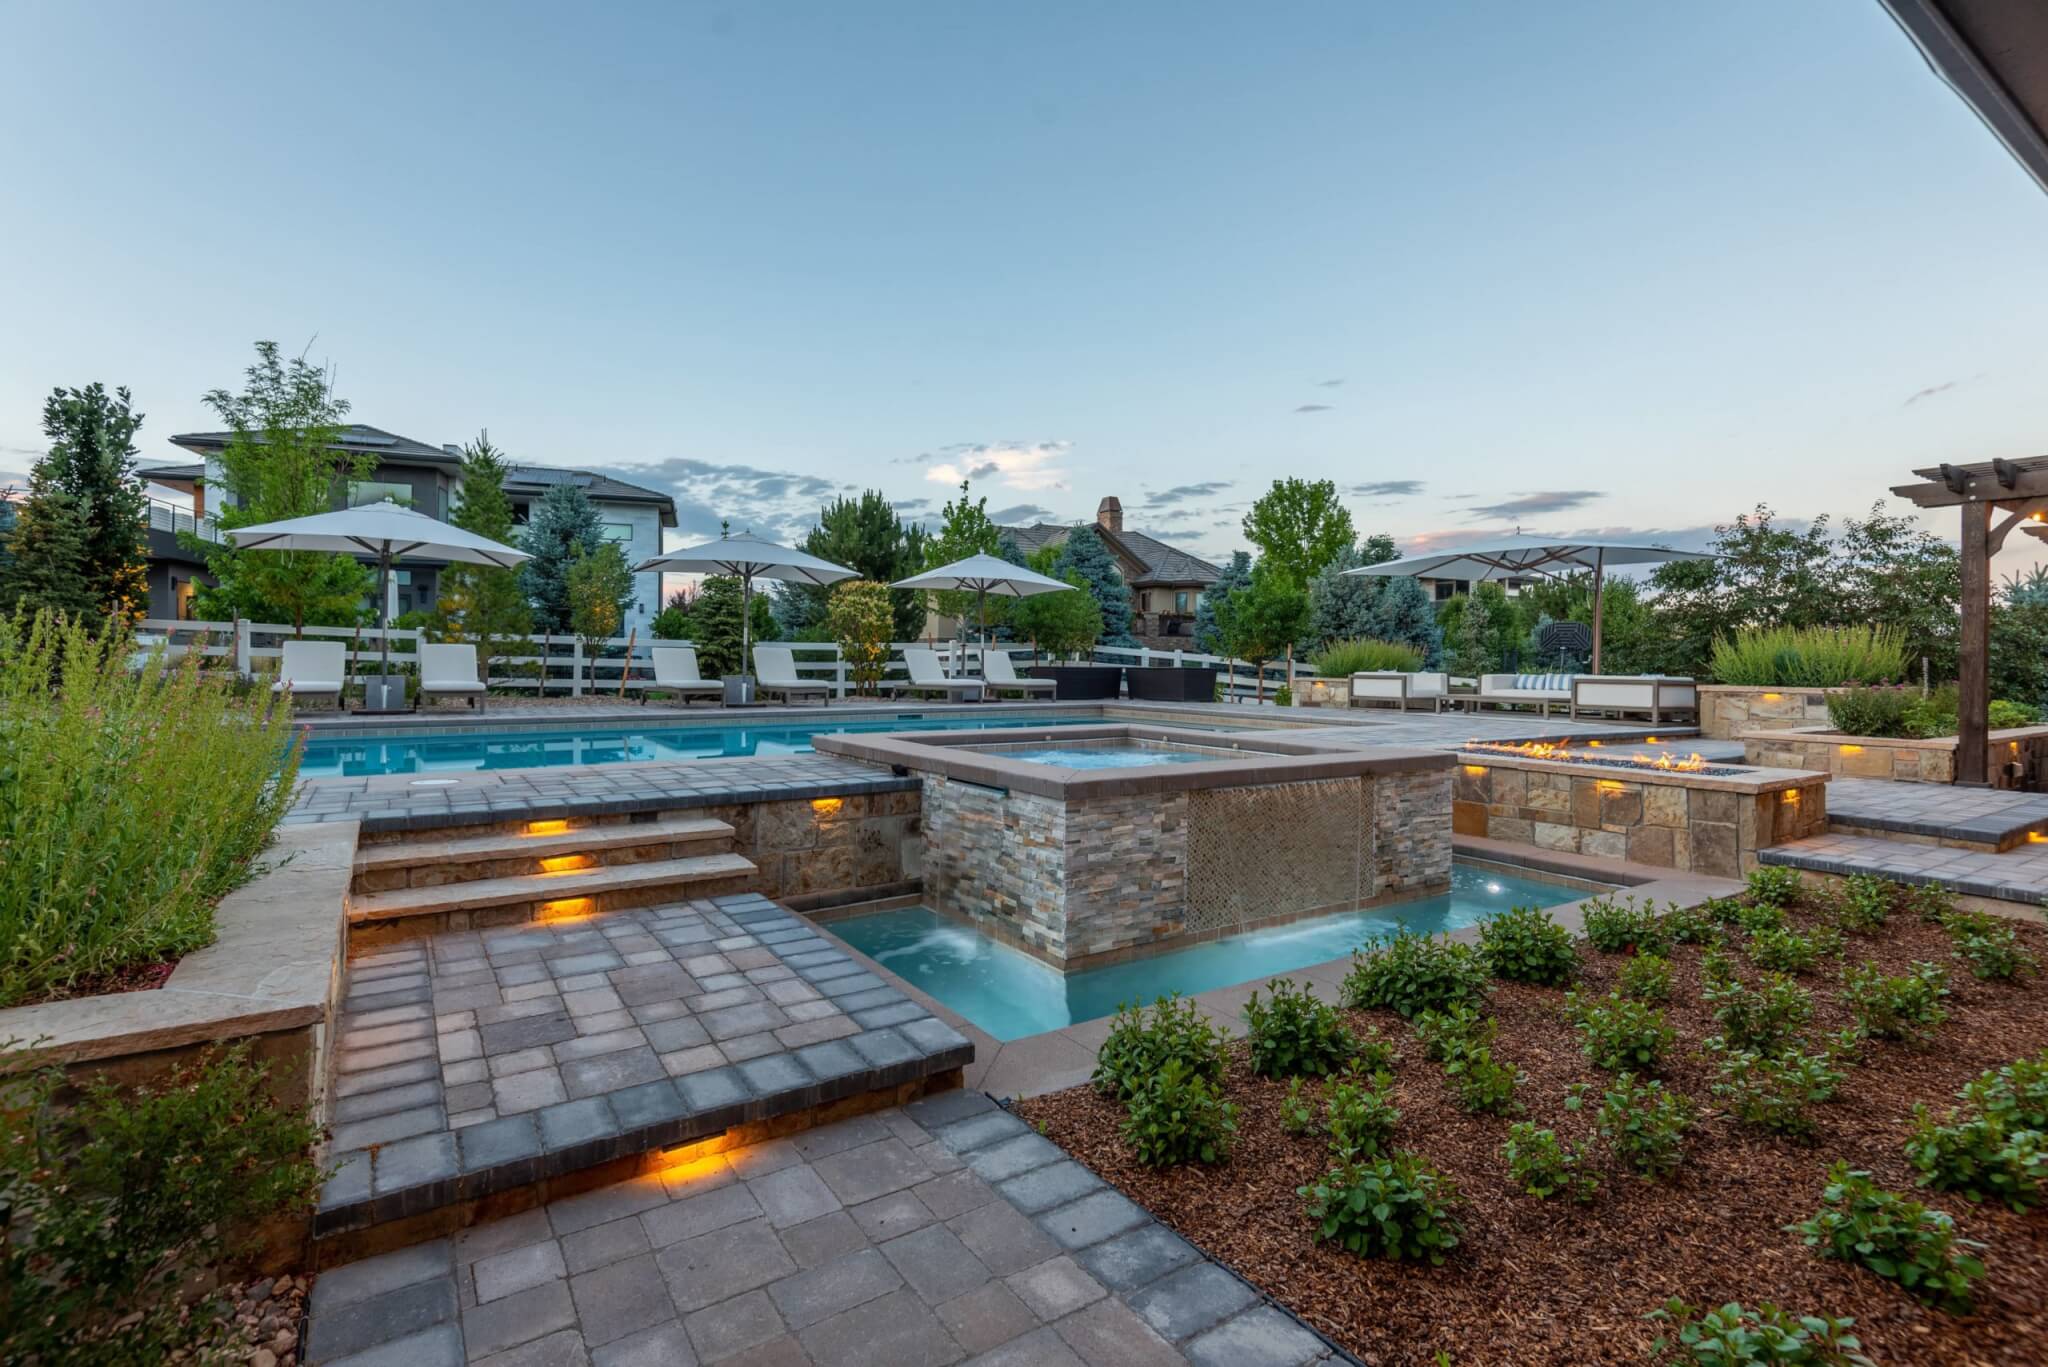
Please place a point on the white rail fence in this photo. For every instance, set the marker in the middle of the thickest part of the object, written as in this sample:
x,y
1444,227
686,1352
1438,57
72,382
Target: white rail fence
x,y
563,665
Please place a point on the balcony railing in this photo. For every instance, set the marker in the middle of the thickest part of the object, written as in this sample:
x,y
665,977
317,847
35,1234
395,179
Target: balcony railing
x,y
169,517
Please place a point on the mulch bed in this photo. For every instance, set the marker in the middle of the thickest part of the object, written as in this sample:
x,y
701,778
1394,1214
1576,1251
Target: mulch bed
x,y
145,977
1549,1282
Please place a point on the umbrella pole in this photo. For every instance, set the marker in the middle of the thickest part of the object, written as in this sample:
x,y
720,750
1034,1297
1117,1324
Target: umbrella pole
x,y
746,626
1599,577
384,605
981,611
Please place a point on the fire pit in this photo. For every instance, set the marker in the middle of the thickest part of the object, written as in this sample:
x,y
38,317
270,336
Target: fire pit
x,y
1694,763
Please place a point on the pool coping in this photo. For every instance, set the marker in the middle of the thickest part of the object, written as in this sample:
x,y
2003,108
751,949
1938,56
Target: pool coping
x,y
1054,1060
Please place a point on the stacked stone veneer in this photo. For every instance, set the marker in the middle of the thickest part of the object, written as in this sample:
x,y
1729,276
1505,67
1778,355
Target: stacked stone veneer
x,y
1728,710
1096,879
1694,824
1900,760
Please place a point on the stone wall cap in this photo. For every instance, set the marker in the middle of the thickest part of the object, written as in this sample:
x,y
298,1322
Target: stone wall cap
x,y
1753,779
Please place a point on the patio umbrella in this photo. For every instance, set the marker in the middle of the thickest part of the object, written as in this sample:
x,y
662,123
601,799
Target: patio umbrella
x,y
747,558
982,575
1519,555
384,532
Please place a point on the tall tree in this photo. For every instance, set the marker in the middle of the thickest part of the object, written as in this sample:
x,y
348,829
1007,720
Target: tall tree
x,y
560,525
483,604
1477,635
1262,620
1339,604
1299,527
92,459
282,461
1403,612
46,558
1057,623
866,536
1237,573
600,587
964,530
1084,557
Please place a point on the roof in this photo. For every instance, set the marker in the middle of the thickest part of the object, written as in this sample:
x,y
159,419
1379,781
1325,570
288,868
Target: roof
x,y
357,437
160,473
1159,564
535,479
1994,54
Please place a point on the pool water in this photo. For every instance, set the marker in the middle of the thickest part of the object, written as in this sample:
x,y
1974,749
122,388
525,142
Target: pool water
x,y
1010,994
1108,757
335,756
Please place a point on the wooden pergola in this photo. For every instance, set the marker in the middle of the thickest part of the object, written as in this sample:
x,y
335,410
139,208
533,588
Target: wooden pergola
x,y
1995,497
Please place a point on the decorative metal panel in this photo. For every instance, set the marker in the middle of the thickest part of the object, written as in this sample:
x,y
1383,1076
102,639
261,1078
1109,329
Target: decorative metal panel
x,y
1276,850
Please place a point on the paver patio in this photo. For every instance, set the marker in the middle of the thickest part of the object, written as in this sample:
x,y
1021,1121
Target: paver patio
x,y
941,1232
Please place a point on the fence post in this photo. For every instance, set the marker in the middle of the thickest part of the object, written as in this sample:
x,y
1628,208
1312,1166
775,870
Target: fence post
x,y
242,669
576,666
839,670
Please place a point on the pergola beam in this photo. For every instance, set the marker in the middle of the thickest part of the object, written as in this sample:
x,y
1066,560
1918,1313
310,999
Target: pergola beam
x,y
1991,481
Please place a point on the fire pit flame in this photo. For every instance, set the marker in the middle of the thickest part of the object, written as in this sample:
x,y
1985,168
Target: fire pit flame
x,y
1537,749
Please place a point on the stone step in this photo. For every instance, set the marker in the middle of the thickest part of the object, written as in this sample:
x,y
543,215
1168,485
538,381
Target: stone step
x,y
431,862
1983,819
2018,877
481,902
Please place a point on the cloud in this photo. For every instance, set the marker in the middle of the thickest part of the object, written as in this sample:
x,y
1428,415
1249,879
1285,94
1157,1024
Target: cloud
x,y
1313,408
1388,488
779,504
1180,493
1535,504
1929,392
1328,384
1023,512
1028,466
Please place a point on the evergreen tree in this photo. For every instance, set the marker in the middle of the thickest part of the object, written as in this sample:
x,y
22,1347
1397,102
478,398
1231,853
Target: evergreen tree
x,y
714,622
282,461
1475,648
1057,623
1236,574
92,460
1085,557
1340,605
866,536
483,604
562,523
46,558
600,587
1403,612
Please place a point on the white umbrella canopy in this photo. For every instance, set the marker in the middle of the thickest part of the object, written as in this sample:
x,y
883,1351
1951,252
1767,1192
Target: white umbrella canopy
x,y
982,575
1518,555
748,558
386,533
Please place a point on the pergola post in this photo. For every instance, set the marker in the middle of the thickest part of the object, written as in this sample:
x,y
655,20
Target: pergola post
x,y
1599,585
1973,680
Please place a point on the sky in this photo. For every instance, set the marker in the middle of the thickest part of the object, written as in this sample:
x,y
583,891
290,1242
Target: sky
x,y
1575,268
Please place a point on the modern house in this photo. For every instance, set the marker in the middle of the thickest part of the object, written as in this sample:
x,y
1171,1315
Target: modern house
x,y
428,478
1166,582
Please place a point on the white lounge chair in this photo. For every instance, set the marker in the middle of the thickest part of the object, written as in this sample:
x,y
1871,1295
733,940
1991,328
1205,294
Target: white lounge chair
x,y
1657,694
1403,690
675,671
927,675
449,671
775,672
999,672
1536,690
312,669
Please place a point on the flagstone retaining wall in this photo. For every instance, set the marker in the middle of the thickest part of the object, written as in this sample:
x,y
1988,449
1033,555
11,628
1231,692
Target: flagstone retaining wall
x,y
1728,710
2018,757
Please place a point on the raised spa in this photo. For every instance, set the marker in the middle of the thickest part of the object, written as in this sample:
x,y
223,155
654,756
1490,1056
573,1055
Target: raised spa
x,y
1096,843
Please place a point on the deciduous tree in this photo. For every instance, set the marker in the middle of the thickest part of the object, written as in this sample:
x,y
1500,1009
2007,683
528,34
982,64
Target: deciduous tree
x,y
1263,620
1299,527
862,620
1057,623
600,586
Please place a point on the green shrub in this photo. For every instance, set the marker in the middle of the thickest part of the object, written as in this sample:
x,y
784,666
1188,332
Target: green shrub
x,y
1896,1237
1446,1034
1364,655
2016,1096
1296,1033
1871,711
1736,1336
1772,1091
1693,925
1542,1166
1755,920
1527,945
1773,886
1931,902
1620,1033
1625,926
1990,946
1407,973
1758,1019
1372,1052
1178,1116
1644,1125
1359,1116
1906,1007
117,1202
1142,1041
1646,977
1863,904
130,803
1809,657
1393,1207
1979,1158
2002,713
1787,951
1483,1084
1297,1112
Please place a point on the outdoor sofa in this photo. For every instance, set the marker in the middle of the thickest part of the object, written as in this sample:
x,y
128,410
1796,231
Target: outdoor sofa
x,y
1426,688
1524,690
1656,694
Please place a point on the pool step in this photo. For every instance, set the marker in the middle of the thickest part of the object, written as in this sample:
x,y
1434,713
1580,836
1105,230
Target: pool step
x,y
436,861
476,902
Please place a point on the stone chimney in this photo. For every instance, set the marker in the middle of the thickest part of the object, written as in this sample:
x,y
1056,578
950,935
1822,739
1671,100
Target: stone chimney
x,y
1109,514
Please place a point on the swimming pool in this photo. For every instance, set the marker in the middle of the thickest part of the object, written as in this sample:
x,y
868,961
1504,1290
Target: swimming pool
x,y
1107,757
1010,994
472,751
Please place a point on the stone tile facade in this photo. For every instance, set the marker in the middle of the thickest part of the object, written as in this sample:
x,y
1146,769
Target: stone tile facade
x,y
1897,759
1728,710
1669,821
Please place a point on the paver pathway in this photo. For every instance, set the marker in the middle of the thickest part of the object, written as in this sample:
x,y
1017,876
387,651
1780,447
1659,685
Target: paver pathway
x,y
1982,815
2018,875
942,1232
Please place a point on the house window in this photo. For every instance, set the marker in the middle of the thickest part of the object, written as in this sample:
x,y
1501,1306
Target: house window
x,y
1447,589
618,531
369,491
1180,603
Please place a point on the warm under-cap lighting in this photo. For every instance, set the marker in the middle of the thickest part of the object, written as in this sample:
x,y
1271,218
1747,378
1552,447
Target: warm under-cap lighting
x,y
568,909
567,863
546,827
827,806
